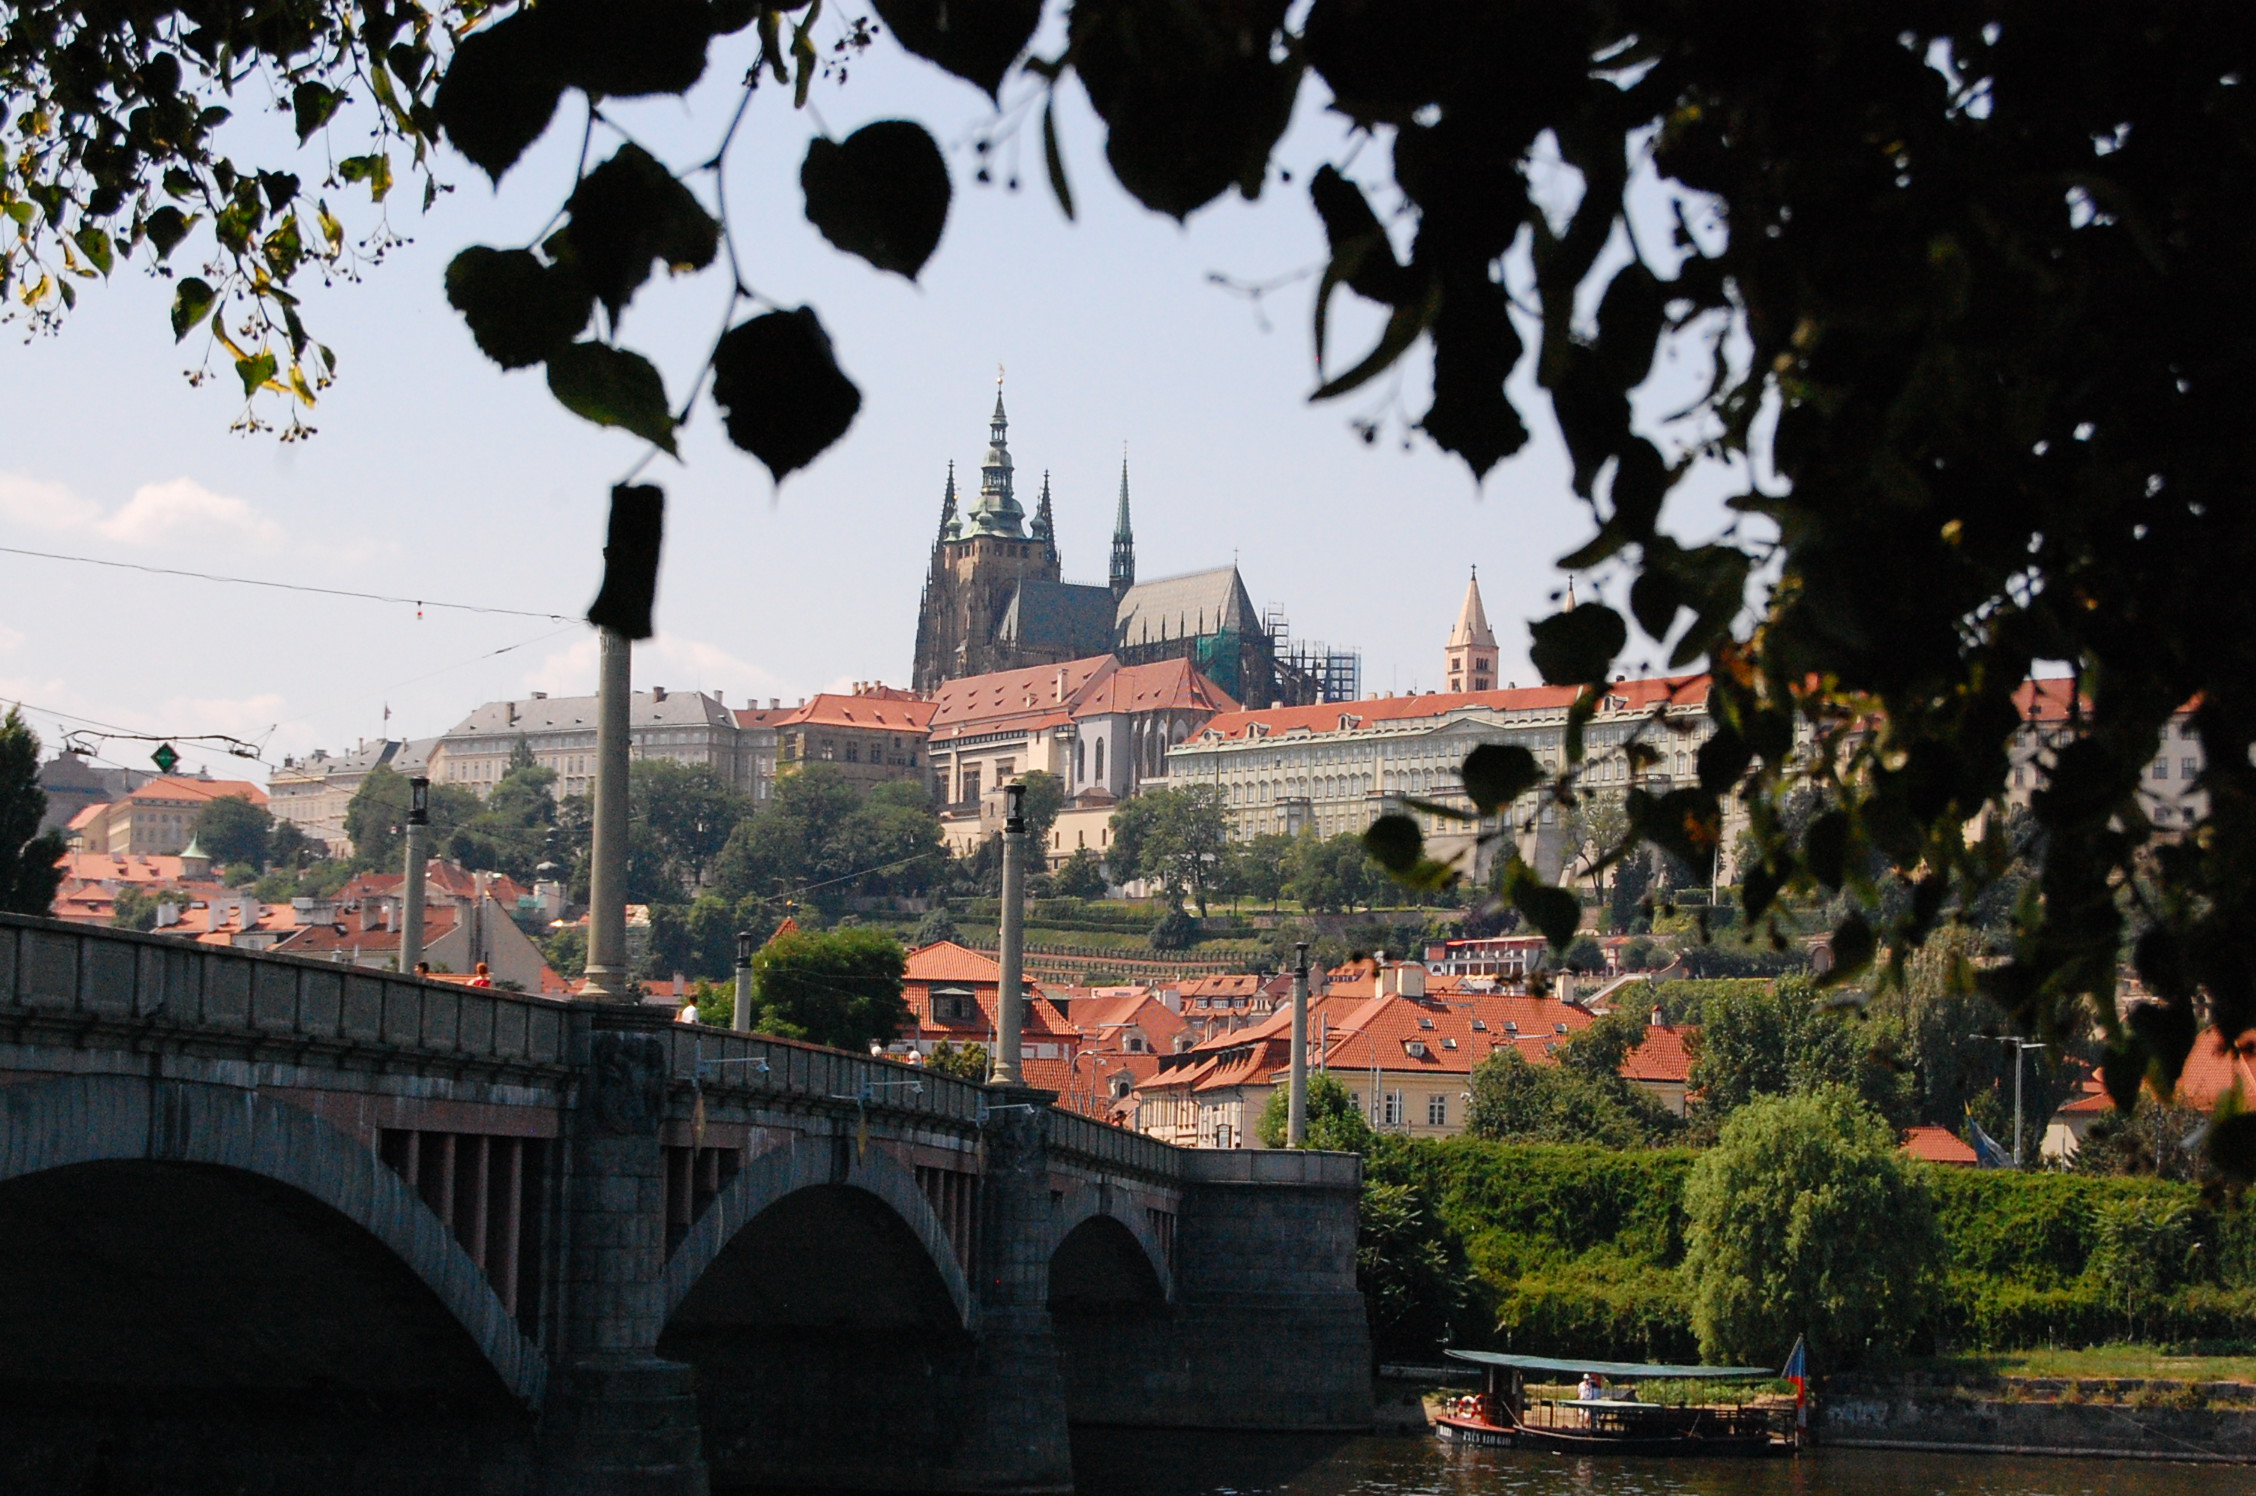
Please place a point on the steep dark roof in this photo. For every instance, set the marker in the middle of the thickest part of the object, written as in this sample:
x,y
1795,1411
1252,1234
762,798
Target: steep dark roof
x,y
1205,602
1068,616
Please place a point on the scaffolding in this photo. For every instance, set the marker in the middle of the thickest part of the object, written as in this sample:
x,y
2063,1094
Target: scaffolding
x,y
1310,672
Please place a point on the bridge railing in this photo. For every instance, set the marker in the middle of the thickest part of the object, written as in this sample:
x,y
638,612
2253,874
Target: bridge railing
x,y
55,972
724,1062
1106,1147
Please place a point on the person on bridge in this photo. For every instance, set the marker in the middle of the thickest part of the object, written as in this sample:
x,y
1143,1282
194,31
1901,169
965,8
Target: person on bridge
x,y
484,978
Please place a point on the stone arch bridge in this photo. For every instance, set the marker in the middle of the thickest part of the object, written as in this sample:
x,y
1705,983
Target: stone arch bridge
x,y
276,1225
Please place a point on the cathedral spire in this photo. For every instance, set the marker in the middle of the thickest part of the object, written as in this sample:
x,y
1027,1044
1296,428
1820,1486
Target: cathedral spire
x,y
1469,658
1123,537
996,512
948,526
1045,523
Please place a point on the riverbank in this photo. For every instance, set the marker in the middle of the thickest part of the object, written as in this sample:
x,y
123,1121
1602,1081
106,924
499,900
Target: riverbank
x,y
2129,1418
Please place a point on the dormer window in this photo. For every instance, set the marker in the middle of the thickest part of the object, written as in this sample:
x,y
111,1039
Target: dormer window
x,y
1511,1027
953,1005
1448,1043
1425,1023
1558,1028
1415,1048
1480,1025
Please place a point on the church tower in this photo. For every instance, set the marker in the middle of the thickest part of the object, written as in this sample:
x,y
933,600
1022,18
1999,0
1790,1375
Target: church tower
x,y
1471,652
1123,539
978,562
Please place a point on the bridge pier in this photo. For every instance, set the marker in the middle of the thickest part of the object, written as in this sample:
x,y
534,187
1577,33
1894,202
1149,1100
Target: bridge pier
x,y
619,1420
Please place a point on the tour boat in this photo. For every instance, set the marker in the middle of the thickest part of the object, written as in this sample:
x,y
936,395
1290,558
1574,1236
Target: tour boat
x,y
1502,1416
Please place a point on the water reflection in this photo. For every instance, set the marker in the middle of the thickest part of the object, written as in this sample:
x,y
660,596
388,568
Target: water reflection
x,y
1119,1463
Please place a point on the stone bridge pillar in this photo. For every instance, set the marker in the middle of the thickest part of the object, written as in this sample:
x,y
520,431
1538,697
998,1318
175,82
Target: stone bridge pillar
x,y
1021,1442
620,1421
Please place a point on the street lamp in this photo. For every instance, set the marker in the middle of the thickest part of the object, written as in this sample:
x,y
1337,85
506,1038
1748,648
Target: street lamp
x,y
1365,1035
742,1022
2021,1047
411,885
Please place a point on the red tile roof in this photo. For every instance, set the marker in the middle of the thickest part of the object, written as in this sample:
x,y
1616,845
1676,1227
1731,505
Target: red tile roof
x,y
1634,695
1004,695
1663,1056
875,713
138,870
1937,1145
1163,685
351,941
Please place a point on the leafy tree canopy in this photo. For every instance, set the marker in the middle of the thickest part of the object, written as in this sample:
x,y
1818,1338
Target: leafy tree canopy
x,y
376,818
231,829
1777,1039
29,874
1580,1099
1805,1219
1335,1117
1081,876
821,841
1177,838
837,987
1968,280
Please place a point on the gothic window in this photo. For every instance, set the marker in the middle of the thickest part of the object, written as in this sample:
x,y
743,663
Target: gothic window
x,y
1081,761
1100,760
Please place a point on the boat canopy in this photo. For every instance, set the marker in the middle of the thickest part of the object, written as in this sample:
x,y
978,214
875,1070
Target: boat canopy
x,y
1630,1370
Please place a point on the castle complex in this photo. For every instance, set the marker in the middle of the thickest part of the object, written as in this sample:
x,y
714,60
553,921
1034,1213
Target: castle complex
x,y
995,599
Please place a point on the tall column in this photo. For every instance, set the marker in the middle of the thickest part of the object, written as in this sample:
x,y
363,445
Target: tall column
x,y
618,1419
1015,1435
1010,999
411,885
1296,1125
607,881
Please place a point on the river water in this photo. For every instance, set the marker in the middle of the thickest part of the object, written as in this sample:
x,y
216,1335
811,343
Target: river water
x,y
1121,1464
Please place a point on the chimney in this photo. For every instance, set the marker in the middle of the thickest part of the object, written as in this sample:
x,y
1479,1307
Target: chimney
x,y
1656,1019
775,703
513,714
1061,683
657,694
540,696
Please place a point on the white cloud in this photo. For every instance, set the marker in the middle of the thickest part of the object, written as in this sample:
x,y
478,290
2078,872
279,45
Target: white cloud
x,y
49,508
670,660
10,639
184,510
177,512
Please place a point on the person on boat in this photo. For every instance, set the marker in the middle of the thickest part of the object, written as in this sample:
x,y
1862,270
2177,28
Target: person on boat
x,y
1589,1387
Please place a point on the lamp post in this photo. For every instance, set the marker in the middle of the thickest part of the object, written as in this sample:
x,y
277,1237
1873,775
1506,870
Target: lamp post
x,y
2021,1047
742,1022
411,886
607,873
1365,1036
1296,1124
1010,997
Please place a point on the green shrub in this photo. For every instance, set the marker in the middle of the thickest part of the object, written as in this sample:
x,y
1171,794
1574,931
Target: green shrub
x,y
1617,1310
1804,1218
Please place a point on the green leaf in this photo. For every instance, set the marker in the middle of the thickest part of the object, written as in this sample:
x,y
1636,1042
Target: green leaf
x,y
1402,328
1825,848
1053,158
166,227
1475,347
780,391
1758,889
500,91
375,169
1496,774
1395,843
1655,599
255,372
612,387
519,310
1686,823
882,194
977,40
191,303
95,245
1191,98
1554,911
1854,946
1721,760
1577,647
626,214
2230,1147
625,51
311,105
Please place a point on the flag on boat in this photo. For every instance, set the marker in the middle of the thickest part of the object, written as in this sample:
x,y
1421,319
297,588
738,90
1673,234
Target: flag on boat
x,y
1796,1371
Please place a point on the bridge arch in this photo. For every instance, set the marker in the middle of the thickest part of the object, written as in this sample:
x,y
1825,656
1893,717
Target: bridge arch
x,y
819,1164
1091,1201
818,1297
84,1159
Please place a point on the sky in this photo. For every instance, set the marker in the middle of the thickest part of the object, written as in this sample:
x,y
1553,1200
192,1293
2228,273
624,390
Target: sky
x,y
435,476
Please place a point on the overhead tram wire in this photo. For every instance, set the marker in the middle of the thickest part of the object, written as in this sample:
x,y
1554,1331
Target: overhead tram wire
x,y
418,603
